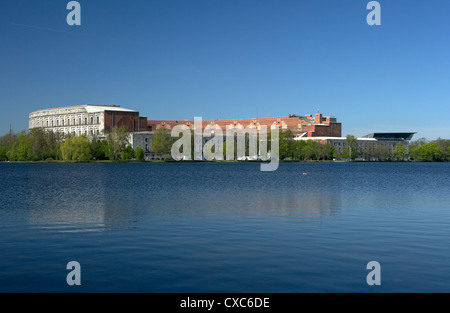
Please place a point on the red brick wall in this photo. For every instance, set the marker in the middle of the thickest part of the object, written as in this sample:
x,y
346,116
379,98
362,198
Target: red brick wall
x,y
318,118
143,125
332,130
117,119
291,123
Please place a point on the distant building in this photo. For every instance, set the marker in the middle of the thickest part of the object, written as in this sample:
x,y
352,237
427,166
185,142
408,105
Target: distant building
x,y
300,126
96,120
87,119
307,126
370,147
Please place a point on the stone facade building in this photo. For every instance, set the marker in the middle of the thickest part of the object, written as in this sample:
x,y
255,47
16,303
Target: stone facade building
x,y
87,119
371,147
96,120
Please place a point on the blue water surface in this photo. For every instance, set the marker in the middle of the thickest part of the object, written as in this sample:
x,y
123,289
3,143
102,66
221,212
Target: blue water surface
x,y
225,227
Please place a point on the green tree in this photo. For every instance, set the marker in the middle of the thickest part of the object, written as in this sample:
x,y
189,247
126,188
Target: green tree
x,y
66,149
6,143
4,153
351,147
129,153
399,153
44,144
53,145
329,151
298,150
283,148
337,154
368,150
21,148
99,148
162,143
104,150
444,145
345,153
428,152
76,148
117,139
308,150
39,145
382,152
81,149
317,150
287,145
140,154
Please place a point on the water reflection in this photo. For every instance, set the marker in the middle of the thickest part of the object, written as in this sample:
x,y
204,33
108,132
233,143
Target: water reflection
x,y
78,198
299,205
94,197
155,227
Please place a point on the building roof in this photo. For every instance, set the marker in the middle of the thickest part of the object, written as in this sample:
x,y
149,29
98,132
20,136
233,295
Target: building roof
x,y
92,108
370,137
100,108
331,138
391,136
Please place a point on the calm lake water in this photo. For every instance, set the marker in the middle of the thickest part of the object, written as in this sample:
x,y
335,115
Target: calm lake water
x,y
225,227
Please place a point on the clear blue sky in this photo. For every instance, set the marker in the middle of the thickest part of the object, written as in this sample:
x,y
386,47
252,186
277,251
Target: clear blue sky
x,y
224,59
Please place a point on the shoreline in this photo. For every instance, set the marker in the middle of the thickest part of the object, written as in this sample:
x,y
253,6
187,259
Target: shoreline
x,y
213,161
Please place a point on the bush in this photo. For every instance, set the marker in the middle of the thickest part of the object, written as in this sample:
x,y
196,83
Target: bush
x,y
140,154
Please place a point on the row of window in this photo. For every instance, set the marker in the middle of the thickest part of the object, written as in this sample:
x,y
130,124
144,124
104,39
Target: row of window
x,y
62,122
341,143
80,132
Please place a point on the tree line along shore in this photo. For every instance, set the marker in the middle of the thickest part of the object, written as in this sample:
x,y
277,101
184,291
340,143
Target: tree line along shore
x,y
39,145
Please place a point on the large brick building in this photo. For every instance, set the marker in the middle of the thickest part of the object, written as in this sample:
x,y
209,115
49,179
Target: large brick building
x,y
97,120
92,120
300,126
87,119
